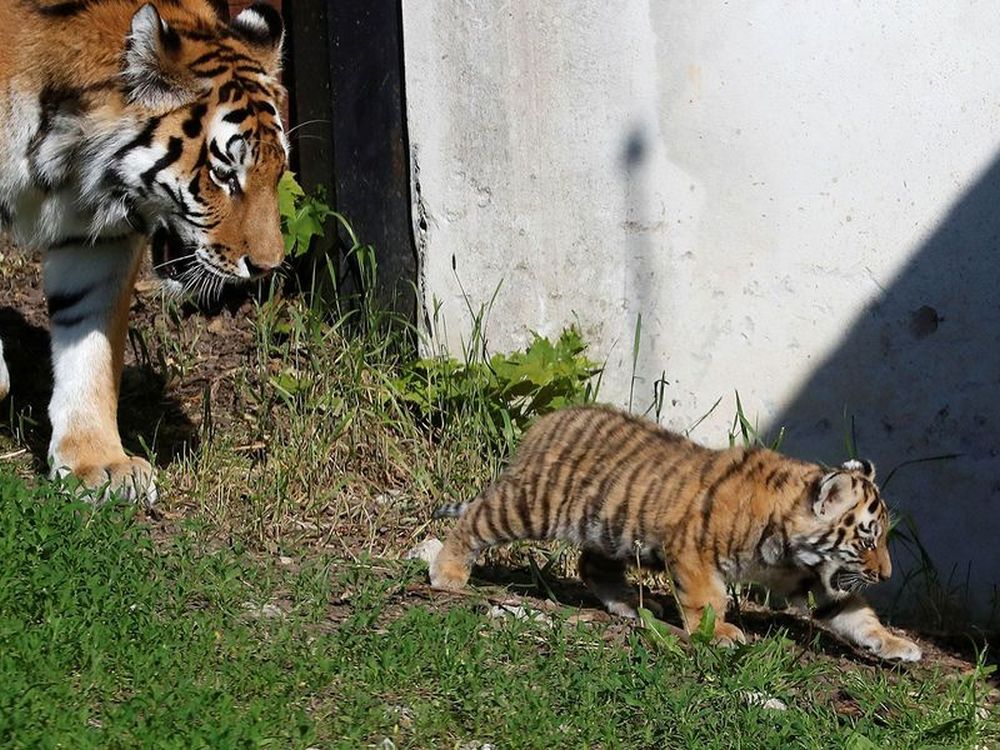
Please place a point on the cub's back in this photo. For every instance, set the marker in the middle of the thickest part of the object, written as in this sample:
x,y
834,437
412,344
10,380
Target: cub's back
x,y
599,439
597,475
595,461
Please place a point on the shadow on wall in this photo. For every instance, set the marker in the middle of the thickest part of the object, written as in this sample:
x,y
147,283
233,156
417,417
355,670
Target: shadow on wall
x,y
919,371
640,275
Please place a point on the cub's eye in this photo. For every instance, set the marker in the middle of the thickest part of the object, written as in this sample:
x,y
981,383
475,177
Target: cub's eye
x,y
225,178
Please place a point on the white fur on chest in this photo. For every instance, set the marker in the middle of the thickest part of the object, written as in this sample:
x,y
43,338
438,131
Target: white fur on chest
x,y
21,116
75,202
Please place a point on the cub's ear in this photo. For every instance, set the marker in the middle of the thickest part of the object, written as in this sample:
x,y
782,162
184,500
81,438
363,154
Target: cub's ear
x,y
261,27
833,495
154,74
860,465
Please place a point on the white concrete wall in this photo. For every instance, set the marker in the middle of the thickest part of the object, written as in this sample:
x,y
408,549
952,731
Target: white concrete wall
x,y
799,198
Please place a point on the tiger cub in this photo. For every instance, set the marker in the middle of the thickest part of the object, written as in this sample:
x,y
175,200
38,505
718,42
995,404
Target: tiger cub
x,y
126,124
621,487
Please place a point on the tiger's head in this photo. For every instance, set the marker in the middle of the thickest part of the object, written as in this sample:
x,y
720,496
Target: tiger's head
x,y
848,547
202,168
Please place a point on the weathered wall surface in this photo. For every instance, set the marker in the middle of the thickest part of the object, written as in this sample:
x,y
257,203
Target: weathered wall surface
x,y
800,199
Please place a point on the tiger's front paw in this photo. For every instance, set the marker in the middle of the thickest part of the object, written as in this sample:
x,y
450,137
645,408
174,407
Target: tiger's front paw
x,y
130,478
894,648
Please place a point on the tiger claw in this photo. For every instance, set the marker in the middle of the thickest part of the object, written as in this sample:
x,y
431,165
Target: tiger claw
x,y
131,479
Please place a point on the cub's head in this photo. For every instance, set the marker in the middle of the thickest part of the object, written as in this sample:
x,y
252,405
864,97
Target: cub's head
x,y
852,538
203,166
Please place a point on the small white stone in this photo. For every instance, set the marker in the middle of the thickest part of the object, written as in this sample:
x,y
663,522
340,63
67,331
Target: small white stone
x,y
402,715
263,611
759,699
427,550
389,497
517,612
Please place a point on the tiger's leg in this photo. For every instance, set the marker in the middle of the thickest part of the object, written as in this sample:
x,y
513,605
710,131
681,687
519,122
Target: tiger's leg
x,y
4,375
699,586
490,519
854,621
605,576
89,289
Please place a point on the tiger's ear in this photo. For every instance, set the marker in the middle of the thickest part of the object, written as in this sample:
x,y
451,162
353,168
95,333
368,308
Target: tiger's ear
x,y
261,27
833,495
153,70
860,465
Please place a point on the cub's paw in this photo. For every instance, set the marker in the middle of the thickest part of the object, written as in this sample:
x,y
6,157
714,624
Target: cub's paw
x,y
728,635
448,573
131,478
895,648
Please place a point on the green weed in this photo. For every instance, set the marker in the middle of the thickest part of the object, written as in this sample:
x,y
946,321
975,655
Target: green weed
x,y
512,388
749,432
303,217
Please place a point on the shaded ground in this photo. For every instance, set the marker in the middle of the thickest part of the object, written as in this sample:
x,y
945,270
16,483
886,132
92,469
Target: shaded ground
x,y
200,394
177,359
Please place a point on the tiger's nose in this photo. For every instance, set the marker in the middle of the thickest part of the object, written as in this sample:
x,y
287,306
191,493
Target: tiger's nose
x,y
256,270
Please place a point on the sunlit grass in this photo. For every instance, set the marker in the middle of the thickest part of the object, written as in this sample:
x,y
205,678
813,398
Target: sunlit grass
x,y
108,639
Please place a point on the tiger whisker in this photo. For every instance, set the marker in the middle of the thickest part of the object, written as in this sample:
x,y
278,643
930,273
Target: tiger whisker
x,y
166,263
307,122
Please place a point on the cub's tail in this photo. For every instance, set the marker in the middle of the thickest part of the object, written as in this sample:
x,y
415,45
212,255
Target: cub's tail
x,y
451,510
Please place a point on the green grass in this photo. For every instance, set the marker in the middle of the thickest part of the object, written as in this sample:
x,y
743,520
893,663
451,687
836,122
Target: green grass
x,y
110,639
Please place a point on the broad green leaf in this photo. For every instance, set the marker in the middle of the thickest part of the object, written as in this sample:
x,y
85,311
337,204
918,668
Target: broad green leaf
x,y
658,633
706,628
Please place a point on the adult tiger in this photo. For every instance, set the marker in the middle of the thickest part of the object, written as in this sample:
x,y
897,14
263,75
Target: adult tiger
x,y
121,122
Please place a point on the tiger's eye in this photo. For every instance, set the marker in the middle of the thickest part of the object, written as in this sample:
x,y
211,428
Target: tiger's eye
x,y
222,175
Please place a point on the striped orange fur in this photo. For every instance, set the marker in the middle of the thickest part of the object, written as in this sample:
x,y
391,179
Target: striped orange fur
x,y
622,487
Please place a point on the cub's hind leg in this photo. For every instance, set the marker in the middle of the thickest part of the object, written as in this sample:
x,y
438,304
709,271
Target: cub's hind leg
x,y
492,518
605,577
89,290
